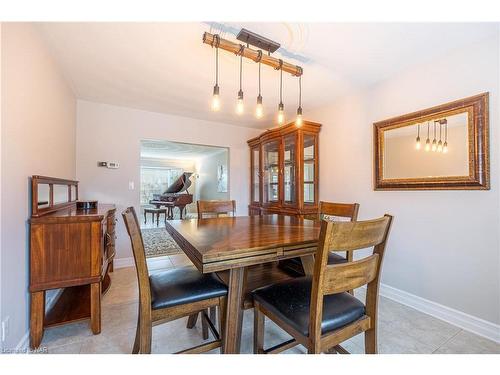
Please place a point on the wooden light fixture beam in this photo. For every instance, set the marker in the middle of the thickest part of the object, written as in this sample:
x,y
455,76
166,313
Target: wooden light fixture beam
x,y
253,54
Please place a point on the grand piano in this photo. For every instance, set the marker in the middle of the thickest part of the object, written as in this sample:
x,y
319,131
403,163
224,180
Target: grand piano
x,y
176,195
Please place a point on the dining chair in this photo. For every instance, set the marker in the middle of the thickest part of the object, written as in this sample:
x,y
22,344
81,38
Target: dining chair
x,y
332,212
215,208
168,295
317,311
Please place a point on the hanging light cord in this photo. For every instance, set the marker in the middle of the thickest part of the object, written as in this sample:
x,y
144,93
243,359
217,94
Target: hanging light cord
x,y
446,131
300,91
418,130
428,129
241,68
259,76
216,41
281,80
440,127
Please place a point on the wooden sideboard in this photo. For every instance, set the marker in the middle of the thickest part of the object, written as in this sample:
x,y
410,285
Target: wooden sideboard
x,y
71,249
284,170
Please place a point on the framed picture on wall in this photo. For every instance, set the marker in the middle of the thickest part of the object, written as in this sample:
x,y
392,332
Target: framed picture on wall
x,y
222,179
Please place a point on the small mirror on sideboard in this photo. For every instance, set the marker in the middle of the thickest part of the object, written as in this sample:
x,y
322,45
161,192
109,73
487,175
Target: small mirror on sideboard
x,y
444,147
50,194
61,194
43,195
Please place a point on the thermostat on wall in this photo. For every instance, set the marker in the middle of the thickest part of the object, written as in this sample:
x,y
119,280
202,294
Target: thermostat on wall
x,y
109,164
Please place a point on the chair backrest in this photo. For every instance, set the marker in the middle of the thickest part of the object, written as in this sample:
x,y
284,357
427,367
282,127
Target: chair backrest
x,y
216,208
331,210
134,232
331,279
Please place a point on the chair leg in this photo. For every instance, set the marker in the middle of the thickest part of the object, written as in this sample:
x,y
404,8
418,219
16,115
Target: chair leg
x,y
222,320
213,315
145,333
204,326
192,321
137,340
258,330
371,341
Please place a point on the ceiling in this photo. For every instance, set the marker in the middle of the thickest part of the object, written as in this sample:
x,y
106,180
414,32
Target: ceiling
x,y
165,67
176,150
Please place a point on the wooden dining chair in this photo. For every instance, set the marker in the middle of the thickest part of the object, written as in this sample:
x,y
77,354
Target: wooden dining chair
x,y
317,311
167,295
332,212
216,208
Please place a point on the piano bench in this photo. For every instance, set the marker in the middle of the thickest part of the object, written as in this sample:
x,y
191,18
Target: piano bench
x,y
155,211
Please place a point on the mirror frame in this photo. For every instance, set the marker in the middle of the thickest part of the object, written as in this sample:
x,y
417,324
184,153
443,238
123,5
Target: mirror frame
x,y
51,181
479,165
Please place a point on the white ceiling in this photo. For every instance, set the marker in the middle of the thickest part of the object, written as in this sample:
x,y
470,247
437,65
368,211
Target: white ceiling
x,y
165,67
159,149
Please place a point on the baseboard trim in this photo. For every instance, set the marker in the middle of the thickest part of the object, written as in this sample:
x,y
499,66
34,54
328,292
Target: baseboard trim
x,y
123,262
458,318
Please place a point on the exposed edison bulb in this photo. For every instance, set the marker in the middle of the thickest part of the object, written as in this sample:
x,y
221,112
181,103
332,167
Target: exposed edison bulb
x,y
239,104
440,146
428,145
298,119
445,147
259,109
418,145
216,99
434,145
281,114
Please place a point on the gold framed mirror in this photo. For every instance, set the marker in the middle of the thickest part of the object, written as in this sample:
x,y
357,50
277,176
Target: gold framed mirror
x,y
439,148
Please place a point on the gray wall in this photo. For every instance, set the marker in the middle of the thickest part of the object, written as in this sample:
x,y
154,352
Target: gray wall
x,y
38,137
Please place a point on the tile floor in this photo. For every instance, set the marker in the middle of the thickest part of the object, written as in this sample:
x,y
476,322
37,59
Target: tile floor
x,y
401,329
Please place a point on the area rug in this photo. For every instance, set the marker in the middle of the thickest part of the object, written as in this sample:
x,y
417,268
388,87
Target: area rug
x,y
158,242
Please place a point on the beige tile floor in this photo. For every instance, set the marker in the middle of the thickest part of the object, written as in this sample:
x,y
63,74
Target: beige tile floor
x,y
401,329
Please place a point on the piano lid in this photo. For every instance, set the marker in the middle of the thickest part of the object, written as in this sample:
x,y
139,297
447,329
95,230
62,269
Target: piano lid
x,y
180,185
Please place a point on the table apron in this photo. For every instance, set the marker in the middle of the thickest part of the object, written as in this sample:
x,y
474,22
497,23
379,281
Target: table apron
x,y
245,261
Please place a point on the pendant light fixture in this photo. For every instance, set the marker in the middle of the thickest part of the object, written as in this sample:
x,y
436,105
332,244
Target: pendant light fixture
x,y
239,103
215,96
445,145
281,107
434,141
417,144
427,141
298,120
259,109
440,143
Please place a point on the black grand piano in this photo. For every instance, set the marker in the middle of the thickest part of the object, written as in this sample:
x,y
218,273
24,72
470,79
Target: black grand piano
x,y
176,195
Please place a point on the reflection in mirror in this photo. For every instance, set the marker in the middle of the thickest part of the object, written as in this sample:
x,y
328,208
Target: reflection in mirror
x,y
60,194
43,195
438,147
73,193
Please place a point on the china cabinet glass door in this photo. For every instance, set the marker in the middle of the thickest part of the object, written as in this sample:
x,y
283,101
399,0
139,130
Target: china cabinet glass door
x,y
289,169
270,161
310,178
255,163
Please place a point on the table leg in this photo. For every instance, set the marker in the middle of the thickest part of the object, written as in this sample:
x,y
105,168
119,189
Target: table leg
x,y
37,315
95,308
308,264
234,315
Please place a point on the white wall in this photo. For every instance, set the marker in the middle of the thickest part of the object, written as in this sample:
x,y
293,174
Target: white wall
x,y
106,132
38,137
444,245
207,183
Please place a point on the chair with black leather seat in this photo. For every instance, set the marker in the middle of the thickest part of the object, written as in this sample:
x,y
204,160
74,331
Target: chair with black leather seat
x,y
167,295
317,311
333,212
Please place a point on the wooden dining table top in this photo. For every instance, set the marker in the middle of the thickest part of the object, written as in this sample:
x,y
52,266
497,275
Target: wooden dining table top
x,y
216,244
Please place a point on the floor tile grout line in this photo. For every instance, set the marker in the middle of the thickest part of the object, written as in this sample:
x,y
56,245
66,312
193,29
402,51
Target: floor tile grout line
x,y
447,341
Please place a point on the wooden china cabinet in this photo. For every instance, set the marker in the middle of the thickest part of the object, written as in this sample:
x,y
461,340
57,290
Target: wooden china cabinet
x,y
284,169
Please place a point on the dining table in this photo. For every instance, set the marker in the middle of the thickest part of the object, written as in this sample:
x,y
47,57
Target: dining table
x,y
235,244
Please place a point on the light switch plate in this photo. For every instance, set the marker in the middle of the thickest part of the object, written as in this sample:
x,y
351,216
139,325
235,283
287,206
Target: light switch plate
x,y
131,185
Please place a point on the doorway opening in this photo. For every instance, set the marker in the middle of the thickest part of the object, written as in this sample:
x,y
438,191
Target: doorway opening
x,y
180,174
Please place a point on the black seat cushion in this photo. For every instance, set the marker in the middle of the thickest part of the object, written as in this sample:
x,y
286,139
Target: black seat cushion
x,y
290,301
334,258
183,285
